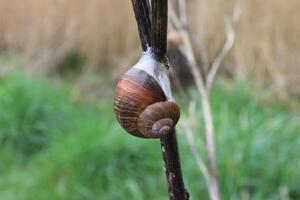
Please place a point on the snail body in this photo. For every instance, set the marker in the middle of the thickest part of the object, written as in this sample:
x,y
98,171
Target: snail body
x,y
143,102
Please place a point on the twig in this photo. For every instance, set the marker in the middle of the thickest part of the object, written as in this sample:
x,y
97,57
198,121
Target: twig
x,y
204,84
230,37
200,162
191,141
193,116
187,50
209,128
212,184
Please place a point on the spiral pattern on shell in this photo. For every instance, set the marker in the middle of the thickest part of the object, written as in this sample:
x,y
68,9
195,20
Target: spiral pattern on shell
x,y
141,106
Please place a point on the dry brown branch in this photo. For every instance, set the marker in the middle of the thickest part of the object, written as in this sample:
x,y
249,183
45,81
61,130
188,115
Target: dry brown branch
x,y
187,50
179,23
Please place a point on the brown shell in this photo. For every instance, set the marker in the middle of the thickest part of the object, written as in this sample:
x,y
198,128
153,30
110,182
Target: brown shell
x,y
135,91
141,106
157,119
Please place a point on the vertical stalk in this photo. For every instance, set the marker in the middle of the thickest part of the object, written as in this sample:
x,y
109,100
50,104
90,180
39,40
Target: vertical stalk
x,y
171,158
169,145
153,33
159,28
142,15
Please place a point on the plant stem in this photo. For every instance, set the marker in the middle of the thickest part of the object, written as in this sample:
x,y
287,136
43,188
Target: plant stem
x,y
154,34
169,145
171,158
142,15
159,28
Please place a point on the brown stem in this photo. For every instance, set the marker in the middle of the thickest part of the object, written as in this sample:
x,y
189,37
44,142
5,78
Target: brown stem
x,y
171,158
159,28
142,15
169,145
157,31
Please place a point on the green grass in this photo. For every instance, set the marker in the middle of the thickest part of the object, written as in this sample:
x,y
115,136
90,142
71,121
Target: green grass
x,y
55,148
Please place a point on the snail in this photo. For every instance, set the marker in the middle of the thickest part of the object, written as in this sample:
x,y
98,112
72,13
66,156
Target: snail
x,y
143,103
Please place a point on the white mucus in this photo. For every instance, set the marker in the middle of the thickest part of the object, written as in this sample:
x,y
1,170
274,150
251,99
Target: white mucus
x,y
157,70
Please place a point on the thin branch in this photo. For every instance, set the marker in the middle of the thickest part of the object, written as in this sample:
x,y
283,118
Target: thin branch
x,y
191,142
192,109
142,15
230,37
187,50
204,84
182,12
201,164
178,25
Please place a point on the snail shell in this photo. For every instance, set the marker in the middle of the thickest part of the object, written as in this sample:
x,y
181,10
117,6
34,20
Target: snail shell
x,y
143,102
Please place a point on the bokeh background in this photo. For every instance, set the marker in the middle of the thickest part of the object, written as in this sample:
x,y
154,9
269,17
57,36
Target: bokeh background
x,y
59,61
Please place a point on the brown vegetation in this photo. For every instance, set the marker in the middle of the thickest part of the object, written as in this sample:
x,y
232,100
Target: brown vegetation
x,y
104,33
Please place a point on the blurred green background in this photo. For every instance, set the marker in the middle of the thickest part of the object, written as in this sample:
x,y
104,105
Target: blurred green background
x,y
59,61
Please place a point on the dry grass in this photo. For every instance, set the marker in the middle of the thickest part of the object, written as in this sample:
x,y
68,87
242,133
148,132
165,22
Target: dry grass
x,y
268,46
103,32
100,31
